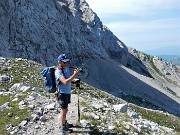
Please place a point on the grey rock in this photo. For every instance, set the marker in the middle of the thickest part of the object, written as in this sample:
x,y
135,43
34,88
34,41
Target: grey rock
x,y
97,105
50,106
3,68
43,118
146,127
31,106
5,78
10,114
15,99
111,127
2,60
21,103
40,111
133,114
9,127
35,117
121,107
37,89
84,122
18,95
33,96
23,123
4,106
6,93
167,73
37,127
20,86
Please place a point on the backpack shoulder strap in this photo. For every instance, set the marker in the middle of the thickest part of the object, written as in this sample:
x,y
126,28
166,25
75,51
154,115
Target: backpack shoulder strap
x,y
61,69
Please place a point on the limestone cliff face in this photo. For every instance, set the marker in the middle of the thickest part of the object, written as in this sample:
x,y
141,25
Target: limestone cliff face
x,y
42,29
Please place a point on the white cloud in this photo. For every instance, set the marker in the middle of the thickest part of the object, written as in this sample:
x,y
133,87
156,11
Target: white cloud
x,y
131,7
141,23
135,26
147,34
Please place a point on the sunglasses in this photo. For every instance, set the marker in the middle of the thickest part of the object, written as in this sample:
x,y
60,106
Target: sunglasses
x,y
66,62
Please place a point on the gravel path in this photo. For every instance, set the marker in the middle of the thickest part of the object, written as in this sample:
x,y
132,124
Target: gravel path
x,y
51,127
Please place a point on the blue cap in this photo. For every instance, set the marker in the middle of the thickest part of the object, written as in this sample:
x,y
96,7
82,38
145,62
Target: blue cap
x,y
63,58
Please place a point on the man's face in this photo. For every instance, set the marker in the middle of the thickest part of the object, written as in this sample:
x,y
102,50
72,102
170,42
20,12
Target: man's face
x,y
63,64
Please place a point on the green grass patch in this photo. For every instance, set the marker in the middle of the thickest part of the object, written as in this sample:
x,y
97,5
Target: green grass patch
x,y
22,71
8,115
138,100
155,68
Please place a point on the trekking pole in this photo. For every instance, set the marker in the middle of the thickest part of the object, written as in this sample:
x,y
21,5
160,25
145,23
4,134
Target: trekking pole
x,y
78,106
77,82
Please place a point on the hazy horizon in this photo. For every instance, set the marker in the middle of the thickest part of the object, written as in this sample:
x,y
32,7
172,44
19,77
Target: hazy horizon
x,y
164,47
170,50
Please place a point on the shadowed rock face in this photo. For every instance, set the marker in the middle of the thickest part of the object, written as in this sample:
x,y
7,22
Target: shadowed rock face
x,y
41,30
115,79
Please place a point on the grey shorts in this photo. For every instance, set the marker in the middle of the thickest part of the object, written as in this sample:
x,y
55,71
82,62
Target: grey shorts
x,y
63,100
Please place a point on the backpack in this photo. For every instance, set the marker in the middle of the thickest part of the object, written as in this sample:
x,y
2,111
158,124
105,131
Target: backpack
x,y
49,79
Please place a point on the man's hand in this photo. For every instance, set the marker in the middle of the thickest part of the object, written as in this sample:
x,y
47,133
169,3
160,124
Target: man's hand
x,y
65,81
76,71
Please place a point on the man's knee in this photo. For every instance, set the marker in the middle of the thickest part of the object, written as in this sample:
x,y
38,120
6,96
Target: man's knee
x,y
64,111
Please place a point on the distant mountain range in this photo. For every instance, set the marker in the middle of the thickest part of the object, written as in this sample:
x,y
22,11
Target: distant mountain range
x,y
169,57
170,50
171,54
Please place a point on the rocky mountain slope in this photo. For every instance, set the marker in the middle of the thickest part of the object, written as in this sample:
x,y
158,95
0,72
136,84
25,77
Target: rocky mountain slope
x,y
166,74
26,109
41,30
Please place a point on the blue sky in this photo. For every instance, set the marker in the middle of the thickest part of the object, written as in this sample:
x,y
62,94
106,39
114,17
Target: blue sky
x,y
141,24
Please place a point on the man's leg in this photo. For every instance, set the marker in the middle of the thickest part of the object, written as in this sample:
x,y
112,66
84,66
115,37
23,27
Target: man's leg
x,y
63,113
63,102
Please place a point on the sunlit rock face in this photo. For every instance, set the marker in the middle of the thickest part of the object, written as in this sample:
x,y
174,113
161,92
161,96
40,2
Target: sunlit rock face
x,y
42,29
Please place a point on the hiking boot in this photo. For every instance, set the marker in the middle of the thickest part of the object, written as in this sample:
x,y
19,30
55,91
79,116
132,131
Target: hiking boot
x,y
65,129
68,125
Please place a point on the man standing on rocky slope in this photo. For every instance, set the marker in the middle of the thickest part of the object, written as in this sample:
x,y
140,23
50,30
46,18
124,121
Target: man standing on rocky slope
x,y
64,78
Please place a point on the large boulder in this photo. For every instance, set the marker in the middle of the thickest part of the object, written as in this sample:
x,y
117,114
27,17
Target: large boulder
x,y
21,87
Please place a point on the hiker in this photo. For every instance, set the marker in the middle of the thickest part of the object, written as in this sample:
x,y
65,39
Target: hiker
x,y
64,79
